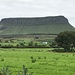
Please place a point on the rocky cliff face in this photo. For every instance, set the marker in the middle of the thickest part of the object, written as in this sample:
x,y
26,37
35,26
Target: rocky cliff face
x,y
35,21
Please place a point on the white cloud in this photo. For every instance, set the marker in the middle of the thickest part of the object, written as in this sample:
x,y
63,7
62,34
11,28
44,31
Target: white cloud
x,y
31,8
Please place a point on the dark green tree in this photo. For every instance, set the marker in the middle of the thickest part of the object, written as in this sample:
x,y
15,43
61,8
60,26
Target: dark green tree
x,y
36,44
31,43
22,44
66,40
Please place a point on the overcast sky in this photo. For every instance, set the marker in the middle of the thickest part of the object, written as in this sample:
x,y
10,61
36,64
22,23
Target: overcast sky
x,y
37,8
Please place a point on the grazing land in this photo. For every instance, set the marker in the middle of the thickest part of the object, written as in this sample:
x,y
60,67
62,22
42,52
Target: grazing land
x,y
29,41
46,62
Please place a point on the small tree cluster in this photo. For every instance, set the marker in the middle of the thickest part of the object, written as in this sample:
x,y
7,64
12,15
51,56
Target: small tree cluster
x,y
66,40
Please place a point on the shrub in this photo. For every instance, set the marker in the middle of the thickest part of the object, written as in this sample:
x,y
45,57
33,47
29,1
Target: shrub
x,y
31,43
62,50
44,57
33,60
0,45
31,57
1,73
36,45
53,45
22,44
2,59
39,57
58,50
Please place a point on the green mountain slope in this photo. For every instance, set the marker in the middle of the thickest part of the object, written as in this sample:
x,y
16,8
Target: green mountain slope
x,y
40,25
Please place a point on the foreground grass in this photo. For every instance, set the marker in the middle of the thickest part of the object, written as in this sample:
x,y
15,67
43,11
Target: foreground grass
x,y
47,63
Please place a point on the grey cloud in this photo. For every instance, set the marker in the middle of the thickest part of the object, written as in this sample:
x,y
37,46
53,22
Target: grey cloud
x,y
24,8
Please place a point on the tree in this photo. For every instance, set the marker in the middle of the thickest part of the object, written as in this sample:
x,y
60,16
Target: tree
x,y
30,43
66,40
36,44
22,44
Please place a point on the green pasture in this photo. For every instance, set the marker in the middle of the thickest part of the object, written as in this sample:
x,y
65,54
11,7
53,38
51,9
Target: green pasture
x,y
47,62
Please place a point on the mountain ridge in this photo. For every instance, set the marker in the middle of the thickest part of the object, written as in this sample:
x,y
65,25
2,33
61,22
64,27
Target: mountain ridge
x,y
52,19
35,25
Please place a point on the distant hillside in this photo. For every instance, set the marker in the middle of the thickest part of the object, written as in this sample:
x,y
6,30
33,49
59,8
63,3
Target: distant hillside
x,y
39,25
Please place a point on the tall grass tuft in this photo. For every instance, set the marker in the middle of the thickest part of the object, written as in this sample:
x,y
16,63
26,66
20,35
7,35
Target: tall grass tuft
x,y
24,71
5,71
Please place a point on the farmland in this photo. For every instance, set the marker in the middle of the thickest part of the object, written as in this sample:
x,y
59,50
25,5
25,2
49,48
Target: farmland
x,y
35,41
47,62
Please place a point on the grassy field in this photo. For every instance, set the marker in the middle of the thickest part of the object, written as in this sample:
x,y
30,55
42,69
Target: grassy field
x,y
47,62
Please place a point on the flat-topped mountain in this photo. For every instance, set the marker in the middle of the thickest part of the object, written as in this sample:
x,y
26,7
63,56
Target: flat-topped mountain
x,y
35,21
38,25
